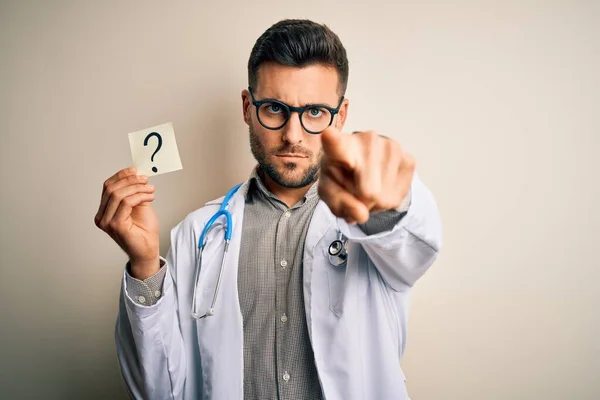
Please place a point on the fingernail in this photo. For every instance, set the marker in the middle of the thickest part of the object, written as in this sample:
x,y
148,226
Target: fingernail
x,y
150,186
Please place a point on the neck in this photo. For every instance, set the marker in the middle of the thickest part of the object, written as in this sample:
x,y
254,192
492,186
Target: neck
x,y
289,196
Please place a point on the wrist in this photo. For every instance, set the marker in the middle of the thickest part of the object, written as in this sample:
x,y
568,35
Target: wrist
x,y
405,205
143,269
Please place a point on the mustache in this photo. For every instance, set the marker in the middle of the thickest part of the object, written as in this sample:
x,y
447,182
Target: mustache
x,y
295,149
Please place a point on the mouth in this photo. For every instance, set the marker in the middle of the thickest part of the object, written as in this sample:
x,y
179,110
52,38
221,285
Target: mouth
x,y
290,156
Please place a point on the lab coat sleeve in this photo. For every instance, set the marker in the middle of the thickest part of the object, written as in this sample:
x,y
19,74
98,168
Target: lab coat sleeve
x,y
404,253
149,344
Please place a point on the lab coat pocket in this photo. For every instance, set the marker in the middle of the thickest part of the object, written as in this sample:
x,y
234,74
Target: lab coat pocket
x,y
336,277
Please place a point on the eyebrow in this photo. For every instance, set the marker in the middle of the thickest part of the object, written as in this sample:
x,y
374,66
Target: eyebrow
x,y
300,106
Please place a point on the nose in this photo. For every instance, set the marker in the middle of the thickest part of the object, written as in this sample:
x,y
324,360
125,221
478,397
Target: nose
x,y
293,133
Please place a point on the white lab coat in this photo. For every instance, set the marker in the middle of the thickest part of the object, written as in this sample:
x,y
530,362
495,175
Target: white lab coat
x,y
356,314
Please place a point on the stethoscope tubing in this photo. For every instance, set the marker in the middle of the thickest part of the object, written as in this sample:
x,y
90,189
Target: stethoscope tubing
x,y
340,246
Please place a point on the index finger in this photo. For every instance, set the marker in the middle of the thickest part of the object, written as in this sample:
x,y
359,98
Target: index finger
x,y
124,173
339,147
341,202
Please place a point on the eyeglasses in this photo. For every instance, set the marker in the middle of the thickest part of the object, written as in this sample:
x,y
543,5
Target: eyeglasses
x,y
274,114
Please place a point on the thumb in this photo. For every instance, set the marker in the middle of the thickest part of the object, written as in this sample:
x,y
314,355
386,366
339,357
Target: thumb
x,y
338,146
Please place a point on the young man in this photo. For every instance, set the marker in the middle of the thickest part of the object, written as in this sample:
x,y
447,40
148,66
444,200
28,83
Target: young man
x,y
308,299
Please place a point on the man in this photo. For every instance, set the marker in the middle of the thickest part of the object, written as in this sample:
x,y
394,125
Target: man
x,y
279,316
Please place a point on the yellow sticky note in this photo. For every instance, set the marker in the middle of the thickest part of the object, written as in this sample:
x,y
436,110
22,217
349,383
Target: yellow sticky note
x,y
154,150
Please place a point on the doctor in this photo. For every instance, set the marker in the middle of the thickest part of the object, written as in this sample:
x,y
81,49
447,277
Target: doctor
x,y
287,312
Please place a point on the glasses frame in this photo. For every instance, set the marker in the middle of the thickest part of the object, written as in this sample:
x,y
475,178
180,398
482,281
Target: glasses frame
x,y
299,110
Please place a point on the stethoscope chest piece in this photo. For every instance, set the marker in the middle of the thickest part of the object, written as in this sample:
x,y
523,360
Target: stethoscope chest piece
x,y
338,251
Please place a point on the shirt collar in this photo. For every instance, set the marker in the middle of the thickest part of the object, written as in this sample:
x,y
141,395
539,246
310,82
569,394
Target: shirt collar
x,y
256,185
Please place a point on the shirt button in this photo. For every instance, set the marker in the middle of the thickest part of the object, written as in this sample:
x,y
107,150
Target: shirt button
x,y
283,263
287,214
284,318
286,376
142,299
157,293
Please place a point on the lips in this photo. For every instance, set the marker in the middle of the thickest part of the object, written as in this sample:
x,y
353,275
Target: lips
x,y
291,155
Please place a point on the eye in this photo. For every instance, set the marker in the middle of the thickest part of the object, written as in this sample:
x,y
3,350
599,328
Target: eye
x,y
315,112
274,108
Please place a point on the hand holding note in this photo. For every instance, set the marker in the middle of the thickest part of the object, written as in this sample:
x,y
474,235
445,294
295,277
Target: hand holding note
x,y
126,215
125,212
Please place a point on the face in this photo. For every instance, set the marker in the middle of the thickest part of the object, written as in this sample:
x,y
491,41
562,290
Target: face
x,y
290,156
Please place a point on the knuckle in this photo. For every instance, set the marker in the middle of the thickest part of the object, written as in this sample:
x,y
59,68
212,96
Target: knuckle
x,y
368,194
110,190
114,225
103,225
116,197
124,172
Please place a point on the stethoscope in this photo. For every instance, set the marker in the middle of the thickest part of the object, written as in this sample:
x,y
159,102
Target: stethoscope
x,y
338,251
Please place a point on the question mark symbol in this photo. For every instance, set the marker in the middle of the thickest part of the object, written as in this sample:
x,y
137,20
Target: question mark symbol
x,y
154,169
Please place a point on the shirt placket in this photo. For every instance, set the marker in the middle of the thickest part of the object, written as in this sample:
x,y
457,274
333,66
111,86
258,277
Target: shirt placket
x,y
284,261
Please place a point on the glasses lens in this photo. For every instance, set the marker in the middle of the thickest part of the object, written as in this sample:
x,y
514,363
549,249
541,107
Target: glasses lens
x,y
316,119
273,115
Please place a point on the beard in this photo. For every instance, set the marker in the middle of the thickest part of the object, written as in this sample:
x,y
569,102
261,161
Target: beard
x,y
286,177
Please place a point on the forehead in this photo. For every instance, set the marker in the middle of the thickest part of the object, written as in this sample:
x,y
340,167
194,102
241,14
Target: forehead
x,y
315,83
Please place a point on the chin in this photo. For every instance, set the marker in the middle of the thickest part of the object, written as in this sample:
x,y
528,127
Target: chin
x,y
288,175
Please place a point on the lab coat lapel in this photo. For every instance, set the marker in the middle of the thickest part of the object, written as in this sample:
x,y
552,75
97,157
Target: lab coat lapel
x,y
220,337
327,325
320,223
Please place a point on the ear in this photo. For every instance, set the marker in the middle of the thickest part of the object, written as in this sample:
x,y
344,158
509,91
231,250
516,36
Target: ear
x,y
340,119
246,106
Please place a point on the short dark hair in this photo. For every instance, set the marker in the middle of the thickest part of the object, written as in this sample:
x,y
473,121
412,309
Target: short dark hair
x,y
299,43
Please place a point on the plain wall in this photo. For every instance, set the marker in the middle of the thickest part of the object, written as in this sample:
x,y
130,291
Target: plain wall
x,y
497,100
